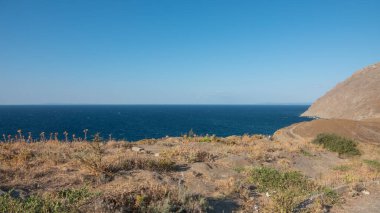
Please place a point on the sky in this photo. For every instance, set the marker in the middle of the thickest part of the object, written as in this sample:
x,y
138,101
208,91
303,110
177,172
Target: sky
x,y
182,51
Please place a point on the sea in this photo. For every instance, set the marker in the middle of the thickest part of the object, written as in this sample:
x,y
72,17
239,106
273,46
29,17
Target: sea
x,y
136,122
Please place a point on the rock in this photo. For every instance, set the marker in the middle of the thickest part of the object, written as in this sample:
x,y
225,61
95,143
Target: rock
x,y
156,154
256,207
359,187
365,192
18,194
353,193
104,178
341,189
137,149
197,174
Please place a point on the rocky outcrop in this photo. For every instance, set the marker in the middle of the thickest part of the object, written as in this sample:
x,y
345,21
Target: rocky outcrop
x,y
357,98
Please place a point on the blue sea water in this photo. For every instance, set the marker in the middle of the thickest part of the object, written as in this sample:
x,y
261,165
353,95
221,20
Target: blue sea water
x,y
135,122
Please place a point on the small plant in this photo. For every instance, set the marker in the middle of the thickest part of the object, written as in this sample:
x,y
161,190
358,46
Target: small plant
x,y
239,169
374,164
330,197
20,135
306,153
74,196
205,139
342,168
335,143
92,158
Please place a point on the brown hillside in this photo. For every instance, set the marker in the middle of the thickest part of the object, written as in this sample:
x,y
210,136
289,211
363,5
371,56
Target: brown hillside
x,y
366,131
357,98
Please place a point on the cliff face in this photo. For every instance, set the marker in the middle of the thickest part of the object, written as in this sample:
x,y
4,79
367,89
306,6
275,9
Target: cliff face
x,y
357,98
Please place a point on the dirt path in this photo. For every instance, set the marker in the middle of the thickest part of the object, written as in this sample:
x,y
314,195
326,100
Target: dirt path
x,y
294,135
364,203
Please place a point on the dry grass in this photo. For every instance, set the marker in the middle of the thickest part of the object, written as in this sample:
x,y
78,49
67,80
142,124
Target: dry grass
x,y
145,182
188,154
353,172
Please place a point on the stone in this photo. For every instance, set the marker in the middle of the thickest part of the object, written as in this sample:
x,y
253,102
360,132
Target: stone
x,y
137,149
354,193
18,194
196,174
365,192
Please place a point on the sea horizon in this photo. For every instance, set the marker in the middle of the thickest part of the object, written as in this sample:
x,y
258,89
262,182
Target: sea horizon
x,y
136,122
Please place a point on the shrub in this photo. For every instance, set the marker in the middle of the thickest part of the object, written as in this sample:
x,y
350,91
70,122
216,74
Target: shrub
x,y
288,189
143,163
267,179
189,155
154,198
335,143
285,201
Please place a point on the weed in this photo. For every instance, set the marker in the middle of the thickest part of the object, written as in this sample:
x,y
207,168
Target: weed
x,y
374,164
92,157
68,200
205,139
288,189
330,197
306,153
74,196
342,168
239,169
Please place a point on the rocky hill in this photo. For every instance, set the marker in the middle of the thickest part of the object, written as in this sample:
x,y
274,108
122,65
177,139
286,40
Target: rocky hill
x,y
357,98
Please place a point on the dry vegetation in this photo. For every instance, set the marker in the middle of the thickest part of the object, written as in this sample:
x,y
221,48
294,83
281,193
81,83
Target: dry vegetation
x,y
184,174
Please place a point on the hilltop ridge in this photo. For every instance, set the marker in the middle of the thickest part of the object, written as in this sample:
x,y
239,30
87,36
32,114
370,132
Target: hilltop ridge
x,y
356,98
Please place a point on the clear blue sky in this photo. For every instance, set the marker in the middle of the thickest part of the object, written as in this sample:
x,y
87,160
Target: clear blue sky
x,y
182,51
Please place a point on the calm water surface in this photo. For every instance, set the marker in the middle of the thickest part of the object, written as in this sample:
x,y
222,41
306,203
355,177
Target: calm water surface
x,y
135,122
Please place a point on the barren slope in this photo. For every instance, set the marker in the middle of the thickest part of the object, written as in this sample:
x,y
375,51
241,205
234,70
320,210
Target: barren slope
x,y
356,98
367,131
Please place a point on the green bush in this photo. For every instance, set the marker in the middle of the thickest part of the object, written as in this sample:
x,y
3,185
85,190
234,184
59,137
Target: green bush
x,y
335,143
267,179
288,189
